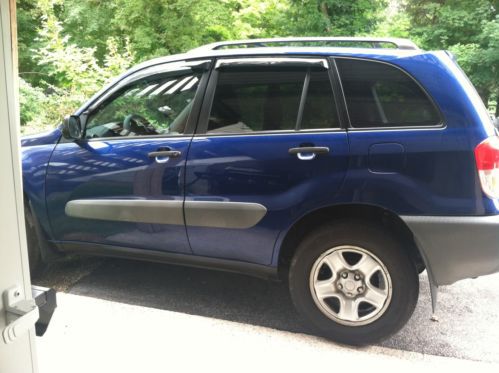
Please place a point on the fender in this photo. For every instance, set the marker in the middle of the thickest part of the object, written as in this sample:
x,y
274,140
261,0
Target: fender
x,y
36,152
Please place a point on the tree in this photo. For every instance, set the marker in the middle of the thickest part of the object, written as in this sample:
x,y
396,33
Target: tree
x,y
153,27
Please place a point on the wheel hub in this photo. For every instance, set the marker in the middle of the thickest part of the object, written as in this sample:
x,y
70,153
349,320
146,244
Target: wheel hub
x,y
351,284
361,286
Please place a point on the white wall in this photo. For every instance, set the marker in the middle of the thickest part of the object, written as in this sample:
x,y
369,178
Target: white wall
x,y
17,357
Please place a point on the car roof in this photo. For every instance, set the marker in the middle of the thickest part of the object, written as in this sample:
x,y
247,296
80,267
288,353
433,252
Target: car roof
x,y
372,53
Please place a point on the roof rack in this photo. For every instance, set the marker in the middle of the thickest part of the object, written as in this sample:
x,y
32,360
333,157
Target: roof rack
x,y
255,43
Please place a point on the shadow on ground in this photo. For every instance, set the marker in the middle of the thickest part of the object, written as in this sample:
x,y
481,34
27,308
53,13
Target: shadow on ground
x,y
193,291
468,326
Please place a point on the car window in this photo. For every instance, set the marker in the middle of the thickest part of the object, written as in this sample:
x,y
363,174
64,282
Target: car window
x,y
158,105
268,99
380,95
319,111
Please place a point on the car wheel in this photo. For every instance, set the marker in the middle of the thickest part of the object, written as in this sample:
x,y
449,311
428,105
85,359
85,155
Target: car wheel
x,y
353,282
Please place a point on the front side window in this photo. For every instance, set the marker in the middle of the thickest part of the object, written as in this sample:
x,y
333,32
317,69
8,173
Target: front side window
x,y
380,95
157,105
268,99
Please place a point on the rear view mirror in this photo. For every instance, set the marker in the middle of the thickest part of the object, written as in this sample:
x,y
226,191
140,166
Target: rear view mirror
x,y
71,127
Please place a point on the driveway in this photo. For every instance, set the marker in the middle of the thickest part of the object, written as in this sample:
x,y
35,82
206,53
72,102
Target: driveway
x,y
468,326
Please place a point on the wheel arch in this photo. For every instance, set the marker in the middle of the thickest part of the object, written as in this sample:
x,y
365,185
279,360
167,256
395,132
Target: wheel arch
x,y
49,252
370,213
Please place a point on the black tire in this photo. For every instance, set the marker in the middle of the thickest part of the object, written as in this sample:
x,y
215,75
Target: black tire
x,y
375,241
36,263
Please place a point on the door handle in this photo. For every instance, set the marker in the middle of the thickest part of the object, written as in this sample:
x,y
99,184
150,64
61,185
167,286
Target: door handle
x,y
162,156
306,153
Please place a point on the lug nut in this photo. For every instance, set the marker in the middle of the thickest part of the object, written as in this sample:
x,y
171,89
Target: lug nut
x,y
340,286
344,275
357,277
360,289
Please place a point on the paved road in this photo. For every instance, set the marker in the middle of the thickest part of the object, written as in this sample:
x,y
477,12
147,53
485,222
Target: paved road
x,y
468,326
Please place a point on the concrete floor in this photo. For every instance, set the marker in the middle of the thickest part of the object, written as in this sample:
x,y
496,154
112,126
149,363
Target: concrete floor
x,y
231,306
93,335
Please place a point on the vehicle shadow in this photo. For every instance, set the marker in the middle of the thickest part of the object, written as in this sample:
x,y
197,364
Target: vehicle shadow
x,y
195,291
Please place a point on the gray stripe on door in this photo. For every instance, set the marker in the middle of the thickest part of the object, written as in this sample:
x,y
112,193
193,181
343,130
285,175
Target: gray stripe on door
x,y
129,210
220,214
214,214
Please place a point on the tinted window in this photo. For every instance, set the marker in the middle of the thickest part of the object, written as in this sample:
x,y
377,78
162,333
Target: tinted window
x,y
268,99
156,105
379,95
319,111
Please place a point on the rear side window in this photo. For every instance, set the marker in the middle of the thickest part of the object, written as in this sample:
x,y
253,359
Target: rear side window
x,y
268,99
380,95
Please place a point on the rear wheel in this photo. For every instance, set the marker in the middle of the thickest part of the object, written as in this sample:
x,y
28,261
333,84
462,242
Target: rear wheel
x,y
353,282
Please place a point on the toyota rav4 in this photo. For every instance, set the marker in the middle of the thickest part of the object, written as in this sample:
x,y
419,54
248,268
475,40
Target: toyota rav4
x,y
344,166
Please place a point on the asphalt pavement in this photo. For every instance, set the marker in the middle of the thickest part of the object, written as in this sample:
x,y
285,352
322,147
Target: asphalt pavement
x,y
468,326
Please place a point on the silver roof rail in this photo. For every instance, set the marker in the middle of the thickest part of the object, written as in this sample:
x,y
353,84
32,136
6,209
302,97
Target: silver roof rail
x,y
374,42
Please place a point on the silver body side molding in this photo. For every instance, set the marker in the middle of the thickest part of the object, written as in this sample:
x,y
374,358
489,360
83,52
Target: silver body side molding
x,y
128,210
214,214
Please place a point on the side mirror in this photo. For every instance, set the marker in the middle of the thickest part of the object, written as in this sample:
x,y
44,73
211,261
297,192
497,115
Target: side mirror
x,y
71,127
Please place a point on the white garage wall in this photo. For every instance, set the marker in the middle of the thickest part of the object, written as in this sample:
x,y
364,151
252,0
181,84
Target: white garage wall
x,y
17,357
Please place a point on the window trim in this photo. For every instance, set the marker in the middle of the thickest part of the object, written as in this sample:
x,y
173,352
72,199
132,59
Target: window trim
x,y
440,125
201,130
227,63
203,64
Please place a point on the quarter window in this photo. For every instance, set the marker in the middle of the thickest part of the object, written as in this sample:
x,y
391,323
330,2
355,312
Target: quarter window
x,y
380,95
268,99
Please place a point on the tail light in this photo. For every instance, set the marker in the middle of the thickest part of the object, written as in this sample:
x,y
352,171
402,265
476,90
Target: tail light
x,y
487,163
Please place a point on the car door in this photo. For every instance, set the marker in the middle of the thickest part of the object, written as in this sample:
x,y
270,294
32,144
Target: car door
x,y
269,148
122,184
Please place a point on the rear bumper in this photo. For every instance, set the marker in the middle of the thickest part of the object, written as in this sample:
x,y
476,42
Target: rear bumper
x,y
455,248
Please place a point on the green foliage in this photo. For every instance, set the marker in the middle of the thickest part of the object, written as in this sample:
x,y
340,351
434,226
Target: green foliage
x,y
67,74
32,101
468,28
395,24
268,18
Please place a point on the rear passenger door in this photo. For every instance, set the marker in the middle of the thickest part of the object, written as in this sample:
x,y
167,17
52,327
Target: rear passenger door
x,y
268,148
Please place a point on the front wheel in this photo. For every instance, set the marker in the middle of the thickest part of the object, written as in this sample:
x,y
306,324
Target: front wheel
x,y
353,282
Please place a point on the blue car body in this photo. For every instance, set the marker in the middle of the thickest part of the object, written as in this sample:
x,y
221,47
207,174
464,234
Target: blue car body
x,y
419,177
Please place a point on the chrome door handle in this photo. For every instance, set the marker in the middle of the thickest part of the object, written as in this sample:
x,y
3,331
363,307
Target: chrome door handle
x,y
162,156
165,153
306,153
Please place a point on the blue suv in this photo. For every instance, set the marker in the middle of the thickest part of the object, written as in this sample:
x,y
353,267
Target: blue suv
x,y
344,166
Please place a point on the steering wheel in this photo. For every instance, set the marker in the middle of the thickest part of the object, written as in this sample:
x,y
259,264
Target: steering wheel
x,y
133,118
